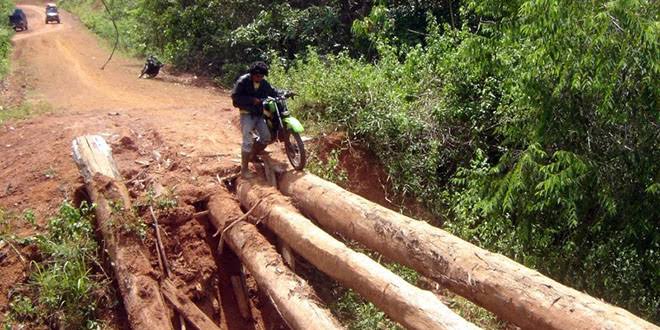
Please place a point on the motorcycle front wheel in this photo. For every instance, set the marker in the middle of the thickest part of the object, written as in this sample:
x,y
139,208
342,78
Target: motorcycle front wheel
x,y
295,150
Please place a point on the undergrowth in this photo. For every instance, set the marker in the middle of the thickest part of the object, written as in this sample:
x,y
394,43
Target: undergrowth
x,y
67,284
6,6
327,168
24,110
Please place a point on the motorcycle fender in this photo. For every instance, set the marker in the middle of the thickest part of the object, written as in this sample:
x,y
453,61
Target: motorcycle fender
x,y
294,125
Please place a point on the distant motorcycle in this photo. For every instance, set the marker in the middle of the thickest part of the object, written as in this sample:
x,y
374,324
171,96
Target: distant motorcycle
x,y
151,67
285,128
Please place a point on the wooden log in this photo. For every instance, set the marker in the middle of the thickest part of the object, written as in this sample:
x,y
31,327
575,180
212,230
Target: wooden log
x,y
241,296
292,296
412,307
186,307
513,292
139,289
287,254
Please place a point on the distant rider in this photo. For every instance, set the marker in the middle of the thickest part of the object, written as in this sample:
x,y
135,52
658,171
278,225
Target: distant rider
x,y
248,94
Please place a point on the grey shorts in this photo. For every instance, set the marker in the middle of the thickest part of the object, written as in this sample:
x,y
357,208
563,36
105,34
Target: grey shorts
x,y
256,123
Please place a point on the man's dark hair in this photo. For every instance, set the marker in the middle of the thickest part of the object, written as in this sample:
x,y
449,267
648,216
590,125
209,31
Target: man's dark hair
x,y
259,68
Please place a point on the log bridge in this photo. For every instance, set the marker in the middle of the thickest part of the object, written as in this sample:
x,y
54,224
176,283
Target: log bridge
x,y
303,210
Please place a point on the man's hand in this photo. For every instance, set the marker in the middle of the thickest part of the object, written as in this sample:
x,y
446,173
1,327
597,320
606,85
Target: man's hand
x,y
256,101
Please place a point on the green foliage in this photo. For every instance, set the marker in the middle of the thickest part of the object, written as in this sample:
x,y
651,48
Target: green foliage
x,y
64,289
127,220
360,314
329,169
577,121
24,110
6,7
538,131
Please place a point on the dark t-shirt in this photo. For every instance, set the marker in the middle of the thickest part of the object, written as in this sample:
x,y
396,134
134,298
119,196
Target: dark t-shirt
x,y
244,92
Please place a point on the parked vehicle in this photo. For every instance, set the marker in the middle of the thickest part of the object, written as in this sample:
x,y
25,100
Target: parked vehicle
x,y
285,128
52,15
151,67
18,20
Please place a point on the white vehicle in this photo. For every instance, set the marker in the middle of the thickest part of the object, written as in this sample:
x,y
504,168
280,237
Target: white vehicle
x,y
52,15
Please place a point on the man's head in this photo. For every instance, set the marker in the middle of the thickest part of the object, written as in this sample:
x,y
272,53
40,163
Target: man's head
x,y
258,70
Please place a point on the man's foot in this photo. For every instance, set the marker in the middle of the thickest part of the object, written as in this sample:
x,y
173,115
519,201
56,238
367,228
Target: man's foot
x,y
245,171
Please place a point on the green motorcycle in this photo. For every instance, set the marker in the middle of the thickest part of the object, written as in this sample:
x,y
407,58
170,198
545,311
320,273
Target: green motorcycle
x,y
285,128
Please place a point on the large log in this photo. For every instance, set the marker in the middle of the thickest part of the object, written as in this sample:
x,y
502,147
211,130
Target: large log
x,y
513,292
292,296
412,307
140,291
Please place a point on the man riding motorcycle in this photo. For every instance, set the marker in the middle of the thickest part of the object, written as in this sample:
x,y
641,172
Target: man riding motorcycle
x,y
247,95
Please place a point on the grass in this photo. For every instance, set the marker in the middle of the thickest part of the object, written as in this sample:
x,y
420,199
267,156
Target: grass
x,y
360,314
25,110
127,220
67,285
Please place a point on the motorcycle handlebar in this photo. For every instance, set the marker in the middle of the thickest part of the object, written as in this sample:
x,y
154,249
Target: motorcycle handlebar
x,y
283,96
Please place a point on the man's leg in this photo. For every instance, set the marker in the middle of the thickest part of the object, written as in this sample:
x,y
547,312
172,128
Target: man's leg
x,y
264,137
248,123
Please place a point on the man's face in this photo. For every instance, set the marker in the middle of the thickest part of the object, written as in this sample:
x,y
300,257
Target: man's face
x,y
257,77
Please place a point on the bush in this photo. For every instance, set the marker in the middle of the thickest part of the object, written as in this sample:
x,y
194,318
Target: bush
x,y
6,7
65,289
535,132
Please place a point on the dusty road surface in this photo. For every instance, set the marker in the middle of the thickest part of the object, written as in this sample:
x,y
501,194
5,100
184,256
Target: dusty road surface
x,y
182,136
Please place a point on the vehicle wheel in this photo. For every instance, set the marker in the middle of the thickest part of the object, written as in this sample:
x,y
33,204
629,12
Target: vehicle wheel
x,y
295,150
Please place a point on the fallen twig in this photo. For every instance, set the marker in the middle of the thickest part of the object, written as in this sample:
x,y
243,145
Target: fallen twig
x,y
159,245
200,214
225,178
17,252
112,18
162,258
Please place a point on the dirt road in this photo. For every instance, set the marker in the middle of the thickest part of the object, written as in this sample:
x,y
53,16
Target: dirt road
x,y
61,63
58,67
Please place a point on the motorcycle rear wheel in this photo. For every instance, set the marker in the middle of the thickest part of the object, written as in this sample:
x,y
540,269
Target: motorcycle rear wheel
x,y
295,150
